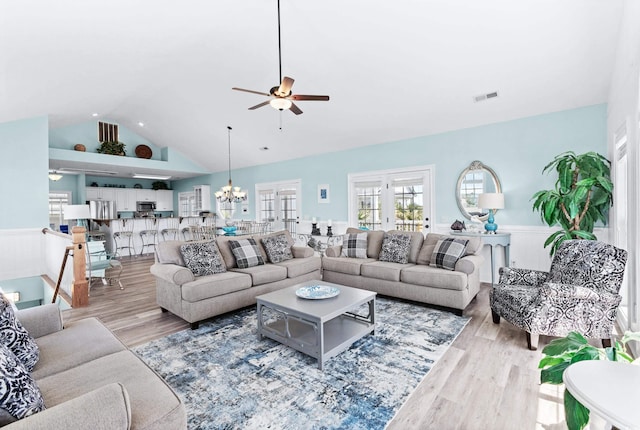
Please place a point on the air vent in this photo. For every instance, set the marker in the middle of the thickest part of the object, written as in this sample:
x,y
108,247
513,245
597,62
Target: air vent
x,y
107,132
484,97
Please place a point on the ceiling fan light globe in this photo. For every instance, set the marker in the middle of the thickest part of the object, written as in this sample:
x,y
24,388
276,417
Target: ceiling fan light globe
x,y
280,103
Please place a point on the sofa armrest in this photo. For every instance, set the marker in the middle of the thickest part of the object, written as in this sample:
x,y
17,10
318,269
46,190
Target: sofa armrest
x,y
41,320
333,251
172,273
302,251
469,263
106,408
525,277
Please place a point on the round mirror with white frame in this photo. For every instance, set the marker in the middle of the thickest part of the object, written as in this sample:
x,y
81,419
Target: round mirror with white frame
x,y
473,181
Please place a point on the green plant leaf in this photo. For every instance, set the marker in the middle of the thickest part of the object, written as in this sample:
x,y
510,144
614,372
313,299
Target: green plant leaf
x,y
583,234
571,342
550,361
553,374
576,414
630,335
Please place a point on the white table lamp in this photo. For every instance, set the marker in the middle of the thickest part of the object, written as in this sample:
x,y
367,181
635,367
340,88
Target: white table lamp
x,y
491,201
77,212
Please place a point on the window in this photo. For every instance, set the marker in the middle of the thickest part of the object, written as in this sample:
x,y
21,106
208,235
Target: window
x,y
57,201
279,203
391,200
621,214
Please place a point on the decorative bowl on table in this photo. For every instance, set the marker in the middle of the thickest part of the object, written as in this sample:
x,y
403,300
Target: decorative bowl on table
x,y
317,292
229,230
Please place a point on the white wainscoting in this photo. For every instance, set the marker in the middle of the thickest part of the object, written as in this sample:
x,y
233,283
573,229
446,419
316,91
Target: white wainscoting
x,y
527,248
29,252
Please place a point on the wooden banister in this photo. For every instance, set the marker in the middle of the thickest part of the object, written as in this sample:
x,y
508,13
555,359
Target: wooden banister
x,y
80,286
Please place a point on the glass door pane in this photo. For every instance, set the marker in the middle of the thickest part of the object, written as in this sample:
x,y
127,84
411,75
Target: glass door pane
x,y
369,204
408,203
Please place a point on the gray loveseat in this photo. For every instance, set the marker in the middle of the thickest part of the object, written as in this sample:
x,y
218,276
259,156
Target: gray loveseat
x,y
195,298
90,380
416,280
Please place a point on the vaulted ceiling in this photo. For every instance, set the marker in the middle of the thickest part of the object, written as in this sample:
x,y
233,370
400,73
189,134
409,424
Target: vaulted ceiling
x,y
394,69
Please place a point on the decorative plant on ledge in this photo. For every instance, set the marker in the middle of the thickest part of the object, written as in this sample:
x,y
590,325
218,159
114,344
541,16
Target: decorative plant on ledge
x,y
582,196
561,353
112,148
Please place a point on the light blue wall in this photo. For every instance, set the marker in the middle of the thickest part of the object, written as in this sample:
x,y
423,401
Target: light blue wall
x,y
24,165
517,150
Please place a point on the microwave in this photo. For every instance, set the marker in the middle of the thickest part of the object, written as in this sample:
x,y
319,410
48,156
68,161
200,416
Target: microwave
x,y
145,206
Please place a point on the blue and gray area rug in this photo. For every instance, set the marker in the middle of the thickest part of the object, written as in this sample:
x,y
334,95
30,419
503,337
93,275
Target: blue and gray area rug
x,y
230,380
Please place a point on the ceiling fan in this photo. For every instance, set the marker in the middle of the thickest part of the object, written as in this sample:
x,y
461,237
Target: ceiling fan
x,y
280,97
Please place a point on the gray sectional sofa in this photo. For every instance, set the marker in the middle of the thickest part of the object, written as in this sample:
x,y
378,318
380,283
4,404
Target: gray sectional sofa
x,y
416,280
90,380
196,298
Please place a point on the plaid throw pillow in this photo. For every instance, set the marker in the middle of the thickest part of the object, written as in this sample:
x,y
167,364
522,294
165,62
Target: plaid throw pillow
x,y
354,245
447,253
202,258
246,252
395,248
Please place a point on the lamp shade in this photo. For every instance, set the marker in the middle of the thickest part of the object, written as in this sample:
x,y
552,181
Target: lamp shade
x,y
491,201
76,212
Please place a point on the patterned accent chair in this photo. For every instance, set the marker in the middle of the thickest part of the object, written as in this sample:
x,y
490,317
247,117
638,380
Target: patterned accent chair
x,y
579,293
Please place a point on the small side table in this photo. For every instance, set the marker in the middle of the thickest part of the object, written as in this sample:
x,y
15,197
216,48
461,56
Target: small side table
x,y
608,389
493,240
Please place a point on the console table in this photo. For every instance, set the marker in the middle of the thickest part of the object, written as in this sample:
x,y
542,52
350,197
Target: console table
x,y
319,243
608,389
493,240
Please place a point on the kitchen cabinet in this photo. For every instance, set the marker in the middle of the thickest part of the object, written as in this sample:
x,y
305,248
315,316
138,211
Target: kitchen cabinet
x,y
126,200
101,193
145,195
164,200
202,195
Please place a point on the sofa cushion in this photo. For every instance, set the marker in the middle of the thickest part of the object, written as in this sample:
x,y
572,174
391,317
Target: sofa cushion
x,y
206,287
19,393
277,248
264,274
168,252
225,250
349,266
80,342
430,241
395,248
374,241
202,258
447,252
153,404
246,253
385,270
417,239
428,276
355,245
15,337
301,266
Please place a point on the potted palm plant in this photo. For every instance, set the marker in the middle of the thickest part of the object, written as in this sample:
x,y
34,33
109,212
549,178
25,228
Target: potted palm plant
x,y
561,353
581,197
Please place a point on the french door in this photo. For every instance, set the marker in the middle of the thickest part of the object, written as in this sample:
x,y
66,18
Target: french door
x,y
279,204
392,199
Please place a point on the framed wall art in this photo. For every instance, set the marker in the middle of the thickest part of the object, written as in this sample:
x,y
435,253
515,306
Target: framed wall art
x,y
323,193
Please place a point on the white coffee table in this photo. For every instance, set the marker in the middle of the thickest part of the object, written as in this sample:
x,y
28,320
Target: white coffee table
x,y
320,328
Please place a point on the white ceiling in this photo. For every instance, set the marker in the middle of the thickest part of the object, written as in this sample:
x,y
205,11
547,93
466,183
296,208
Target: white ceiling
x,y
394,69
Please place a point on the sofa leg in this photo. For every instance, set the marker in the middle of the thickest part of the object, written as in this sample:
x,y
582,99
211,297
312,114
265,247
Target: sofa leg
x,y
164,310
195,325
495,317
532,341
606,343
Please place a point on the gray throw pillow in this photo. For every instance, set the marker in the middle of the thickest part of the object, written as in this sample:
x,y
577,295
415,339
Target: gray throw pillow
x,y
395,248
15,337
246,252
277,248
202,258
355,245
447,253
19,393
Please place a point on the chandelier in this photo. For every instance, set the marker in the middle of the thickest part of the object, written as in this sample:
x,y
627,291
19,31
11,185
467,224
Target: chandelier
x,y
229,193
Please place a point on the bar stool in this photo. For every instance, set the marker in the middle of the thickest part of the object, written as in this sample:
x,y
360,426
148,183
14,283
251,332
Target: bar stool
x,y
124,237
172,229
149,235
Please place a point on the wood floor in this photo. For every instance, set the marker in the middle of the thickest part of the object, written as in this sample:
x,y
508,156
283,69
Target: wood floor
x,y
487,379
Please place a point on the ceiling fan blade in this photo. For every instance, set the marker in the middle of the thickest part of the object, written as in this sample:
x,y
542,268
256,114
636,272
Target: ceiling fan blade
x,y
285,86
260,105
251,91
295,109
308,97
